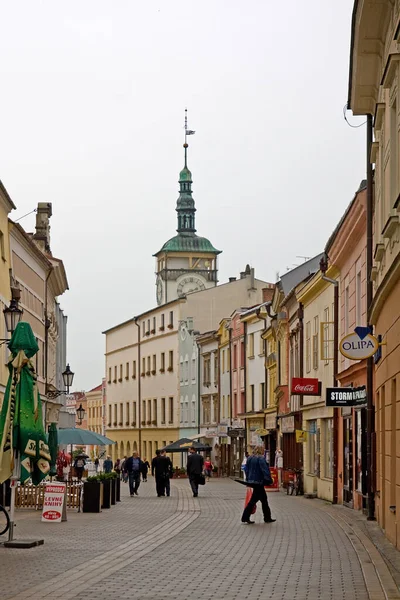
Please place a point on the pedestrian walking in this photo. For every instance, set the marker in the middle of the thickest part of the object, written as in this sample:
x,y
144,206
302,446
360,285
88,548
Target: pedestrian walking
x,y
208,467
133,466
258,475
108,465
159,469
169,472
79,466
117,467
96,464
279,465
146,467
124,471
194,470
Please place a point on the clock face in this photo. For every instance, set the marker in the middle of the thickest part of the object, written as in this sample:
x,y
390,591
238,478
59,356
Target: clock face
x,y
190,284
159,291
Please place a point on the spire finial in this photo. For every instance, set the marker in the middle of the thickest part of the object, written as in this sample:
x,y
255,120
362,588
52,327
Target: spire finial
x,y
187,132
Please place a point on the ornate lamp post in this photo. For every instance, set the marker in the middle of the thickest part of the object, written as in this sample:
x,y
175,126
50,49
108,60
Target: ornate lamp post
x,y
80,413
68,378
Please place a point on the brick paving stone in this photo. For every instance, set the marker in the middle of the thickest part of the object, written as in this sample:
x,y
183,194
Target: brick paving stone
x,y
185,548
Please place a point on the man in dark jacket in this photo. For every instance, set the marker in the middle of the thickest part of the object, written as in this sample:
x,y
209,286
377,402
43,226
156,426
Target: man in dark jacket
x,y
257,476
160,468
134,466
194,470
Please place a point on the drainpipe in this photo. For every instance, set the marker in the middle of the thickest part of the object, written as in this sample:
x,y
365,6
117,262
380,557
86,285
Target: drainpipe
x,y
245,382
264,318
323,267
370,361
198,387
230,462
139,386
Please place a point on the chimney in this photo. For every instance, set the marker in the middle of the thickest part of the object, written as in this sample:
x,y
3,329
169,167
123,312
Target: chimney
x,y
242,274
268,294
42,233
232,279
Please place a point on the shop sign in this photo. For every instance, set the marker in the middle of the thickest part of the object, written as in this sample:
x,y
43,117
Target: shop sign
x,y
288,424
346,396
211,433
225,421
275,485
301,436
359,345
237,432
261,432
303,386
270,421
222,430
53,502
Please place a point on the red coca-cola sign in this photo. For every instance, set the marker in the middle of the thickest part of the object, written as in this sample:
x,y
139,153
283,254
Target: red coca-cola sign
x,y
302,386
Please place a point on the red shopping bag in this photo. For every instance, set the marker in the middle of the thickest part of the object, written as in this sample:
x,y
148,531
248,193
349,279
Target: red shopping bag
x,y
249,493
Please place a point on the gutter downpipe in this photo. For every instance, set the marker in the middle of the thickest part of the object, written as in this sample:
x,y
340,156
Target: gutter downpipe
x,y
335,283
139,387
230,461
198,387
370,361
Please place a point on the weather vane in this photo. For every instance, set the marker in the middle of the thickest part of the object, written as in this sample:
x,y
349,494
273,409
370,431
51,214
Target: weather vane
x,y
187,131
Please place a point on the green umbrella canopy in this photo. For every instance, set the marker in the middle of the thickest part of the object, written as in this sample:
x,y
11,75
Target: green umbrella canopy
x,y
23,339
21,422
82,437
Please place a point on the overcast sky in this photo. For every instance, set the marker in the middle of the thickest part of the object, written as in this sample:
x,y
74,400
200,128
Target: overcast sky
x,y
91,118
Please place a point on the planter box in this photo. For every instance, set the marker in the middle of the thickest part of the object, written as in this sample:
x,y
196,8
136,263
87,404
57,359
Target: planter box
x,y
91,497
113,491
106,494
118,490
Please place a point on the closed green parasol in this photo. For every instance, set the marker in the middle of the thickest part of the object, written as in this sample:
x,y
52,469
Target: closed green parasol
x,y
53,448
21,422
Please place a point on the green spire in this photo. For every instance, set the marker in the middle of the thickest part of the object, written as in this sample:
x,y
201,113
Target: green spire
x,y
185,204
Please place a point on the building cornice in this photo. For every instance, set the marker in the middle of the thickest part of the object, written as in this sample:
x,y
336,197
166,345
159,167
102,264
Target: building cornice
x,y
316,285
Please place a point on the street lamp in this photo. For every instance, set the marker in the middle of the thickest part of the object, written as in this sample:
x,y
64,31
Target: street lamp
x,y
12,313
68,378
80,413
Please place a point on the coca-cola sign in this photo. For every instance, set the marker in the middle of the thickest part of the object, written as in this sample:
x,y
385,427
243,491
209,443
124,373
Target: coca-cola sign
x,y
302,386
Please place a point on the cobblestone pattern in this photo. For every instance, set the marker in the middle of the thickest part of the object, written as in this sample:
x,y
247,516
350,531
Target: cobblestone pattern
x,y
304,555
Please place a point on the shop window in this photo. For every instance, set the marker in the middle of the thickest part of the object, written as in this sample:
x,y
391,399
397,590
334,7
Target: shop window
x,y
328,448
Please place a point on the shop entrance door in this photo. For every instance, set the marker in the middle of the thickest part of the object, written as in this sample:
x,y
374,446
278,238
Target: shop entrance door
x,y
348,461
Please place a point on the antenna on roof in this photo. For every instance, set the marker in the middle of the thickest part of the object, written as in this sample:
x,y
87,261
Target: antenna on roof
x,y
305,258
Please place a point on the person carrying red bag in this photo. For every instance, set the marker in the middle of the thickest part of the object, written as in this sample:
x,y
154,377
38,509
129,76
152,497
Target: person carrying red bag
x,y
258,475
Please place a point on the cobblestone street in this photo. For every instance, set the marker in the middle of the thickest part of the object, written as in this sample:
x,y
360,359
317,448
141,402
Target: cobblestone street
x,y
150,548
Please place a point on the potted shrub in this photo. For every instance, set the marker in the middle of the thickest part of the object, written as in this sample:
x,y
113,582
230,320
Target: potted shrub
x,y
106,481
92,495
113,479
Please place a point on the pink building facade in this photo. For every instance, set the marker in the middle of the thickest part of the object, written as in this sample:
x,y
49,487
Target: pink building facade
x,y
347,252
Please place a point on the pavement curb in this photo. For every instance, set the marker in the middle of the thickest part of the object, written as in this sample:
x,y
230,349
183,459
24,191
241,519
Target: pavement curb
x,y
378,580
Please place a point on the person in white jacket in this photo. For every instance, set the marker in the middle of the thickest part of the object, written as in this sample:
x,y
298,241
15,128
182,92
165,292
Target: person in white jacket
x,y
243,465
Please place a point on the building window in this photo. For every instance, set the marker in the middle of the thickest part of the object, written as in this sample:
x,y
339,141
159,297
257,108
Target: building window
x,y
143,366
120,372
171,361
143,412
358,300
171,320
115,374
127,371
109,374
313,454
262,395
163,411
144,328
121,414
154,369
216,368
235,356
162,368
171,410
252,408
346,310
181,415
194,368
115,423
148,412
162,322
109,415
308,346
155,411
134,415
327,337
242,354
251,345
128,422
181,370
134,369
154,325
3,255
148,327
315,343
206,370
359,446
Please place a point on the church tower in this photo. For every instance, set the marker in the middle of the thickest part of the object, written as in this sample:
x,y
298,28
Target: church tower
x,y
186,263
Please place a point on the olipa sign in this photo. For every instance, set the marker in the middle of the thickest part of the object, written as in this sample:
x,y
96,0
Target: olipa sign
x,y
359,345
